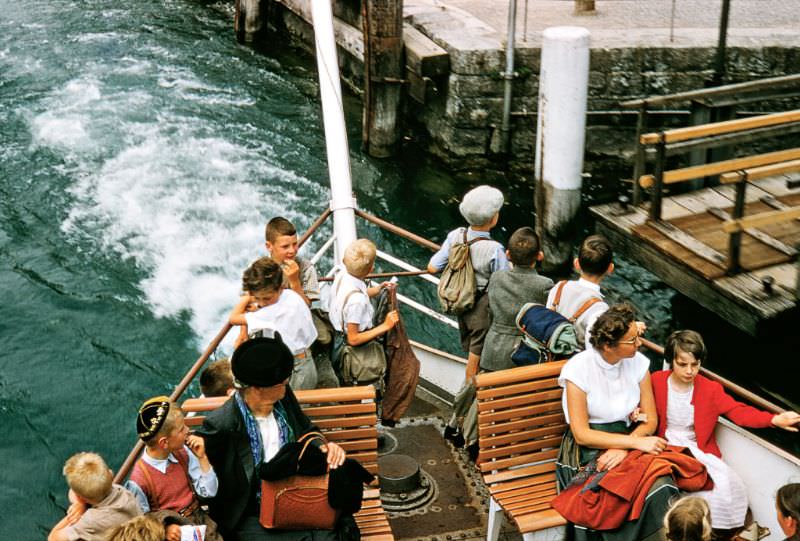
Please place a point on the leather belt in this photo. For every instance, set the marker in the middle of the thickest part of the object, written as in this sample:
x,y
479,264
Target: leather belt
x,y
189,509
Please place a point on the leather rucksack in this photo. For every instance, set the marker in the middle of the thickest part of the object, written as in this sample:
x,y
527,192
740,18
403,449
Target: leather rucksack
x,y
457,285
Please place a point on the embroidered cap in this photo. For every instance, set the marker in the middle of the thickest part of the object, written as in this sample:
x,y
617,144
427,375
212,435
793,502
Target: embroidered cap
x,y
479,205
262,362
151,417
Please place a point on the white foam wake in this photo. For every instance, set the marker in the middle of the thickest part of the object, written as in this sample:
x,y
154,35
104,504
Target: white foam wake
x,y
186,206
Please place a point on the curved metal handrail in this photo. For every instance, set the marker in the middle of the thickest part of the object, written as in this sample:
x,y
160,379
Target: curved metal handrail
x,y
397,230
176,394
127,464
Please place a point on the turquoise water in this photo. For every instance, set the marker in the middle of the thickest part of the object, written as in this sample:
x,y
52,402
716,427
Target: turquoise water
x,y
142,150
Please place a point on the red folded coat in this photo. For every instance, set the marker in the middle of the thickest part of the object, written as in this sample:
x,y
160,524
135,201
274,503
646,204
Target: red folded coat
x,y
620,494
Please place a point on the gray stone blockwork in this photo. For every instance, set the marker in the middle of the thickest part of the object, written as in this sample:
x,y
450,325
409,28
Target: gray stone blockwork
x,y
460,119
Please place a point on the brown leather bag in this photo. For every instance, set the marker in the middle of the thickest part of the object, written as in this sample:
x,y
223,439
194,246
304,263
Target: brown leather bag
x,y
298,502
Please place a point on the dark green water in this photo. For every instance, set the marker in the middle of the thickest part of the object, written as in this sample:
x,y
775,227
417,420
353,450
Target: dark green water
x,y
141,152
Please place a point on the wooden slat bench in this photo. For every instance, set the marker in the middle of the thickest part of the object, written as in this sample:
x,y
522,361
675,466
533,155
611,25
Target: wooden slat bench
x,y
520,426
347,416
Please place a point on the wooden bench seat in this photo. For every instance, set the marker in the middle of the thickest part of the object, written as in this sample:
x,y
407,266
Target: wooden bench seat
x,y
520,426
347,416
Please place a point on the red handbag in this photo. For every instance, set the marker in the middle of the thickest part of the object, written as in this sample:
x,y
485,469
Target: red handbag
x,y
298,502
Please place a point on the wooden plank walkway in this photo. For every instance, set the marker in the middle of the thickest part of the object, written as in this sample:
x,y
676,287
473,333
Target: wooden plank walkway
x,y
694,219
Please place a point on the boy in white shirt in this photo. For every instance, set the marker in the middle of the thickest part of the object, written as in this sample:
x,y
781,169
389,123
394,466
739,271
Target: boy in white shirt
x,y
581,299
281,310
350,310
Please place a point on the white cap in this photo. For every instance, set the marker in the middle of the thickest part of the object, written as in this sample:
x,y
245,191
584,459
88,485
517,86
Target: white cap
x,y
480,204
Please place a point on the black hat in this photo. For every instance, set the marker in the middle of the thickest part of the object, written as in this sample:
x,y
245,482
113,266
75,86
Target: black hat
x,y
151,417
262,362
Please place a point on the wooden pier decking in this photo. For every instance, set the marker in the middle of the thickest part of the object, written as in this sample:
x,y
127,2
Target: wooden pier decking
x,y
692,225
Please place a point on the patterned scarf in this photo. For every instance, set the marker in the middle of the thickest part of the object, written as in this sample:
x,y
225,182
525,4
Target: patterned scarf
x,y
285,431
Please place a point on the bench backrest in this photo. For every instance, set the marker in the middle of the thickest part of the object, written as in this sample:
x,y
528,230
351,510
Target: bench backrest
x,y
520,419
345,415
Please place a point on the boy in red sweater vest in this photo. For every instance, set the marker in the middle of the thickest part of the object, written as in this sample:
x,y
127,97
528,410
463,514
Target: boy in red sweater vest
x,y
173,473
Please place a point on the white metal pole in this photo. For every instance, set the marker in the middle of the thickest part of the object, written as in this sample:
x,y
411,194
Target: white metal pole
x,y
342,203
560,137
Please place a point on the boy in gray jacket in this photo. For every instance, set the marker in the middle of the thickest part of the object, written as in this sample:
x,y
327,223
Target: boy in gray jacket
x,y
508,291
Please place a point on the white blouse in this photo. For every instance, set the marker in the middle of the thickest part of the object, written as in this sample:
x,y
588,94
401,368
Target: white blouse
x,y
612,390
270,435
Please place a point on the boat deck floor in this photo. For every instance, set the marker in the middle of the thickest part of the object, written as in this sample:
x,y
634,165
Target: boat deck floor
x,y
459,506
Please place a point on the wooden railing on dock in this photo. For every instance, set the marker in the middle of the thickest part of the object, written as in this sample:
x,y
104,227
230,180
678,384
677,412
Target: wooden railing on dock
x,y
735,171
706,105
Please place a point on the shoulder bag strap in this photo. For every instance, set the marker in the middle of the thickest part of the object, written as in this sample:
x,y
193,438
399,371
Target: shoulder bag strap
x,y
559,291
585,306
308,437
473,241
344,305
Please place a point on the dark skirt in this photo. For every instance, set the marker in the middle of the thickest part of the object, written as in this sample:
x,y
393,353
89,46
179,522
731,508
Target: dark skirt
x,y
650,524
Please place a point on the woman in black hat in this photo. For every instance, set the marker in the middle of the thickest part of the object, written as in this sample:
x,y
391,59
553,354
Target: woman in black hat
x,y
248,430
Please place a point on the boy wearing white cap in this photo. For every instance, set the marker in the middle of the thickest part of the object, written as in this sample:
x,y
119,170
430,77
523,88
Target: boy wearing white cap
x,y
480,207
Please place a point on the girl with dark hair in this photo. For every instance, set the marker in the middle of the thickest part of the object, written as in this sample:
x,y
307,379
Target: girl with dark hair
x,y
787,505
689,405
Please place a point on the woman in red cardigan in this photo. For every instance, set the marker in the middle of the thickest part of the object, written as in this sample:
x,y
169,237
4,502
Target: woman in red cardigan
x,y
689,405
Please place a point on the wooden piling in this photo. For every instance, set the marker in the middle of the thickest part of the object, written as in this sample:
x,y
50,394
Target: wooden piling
x,y
247,20
383,75
735,239
584,7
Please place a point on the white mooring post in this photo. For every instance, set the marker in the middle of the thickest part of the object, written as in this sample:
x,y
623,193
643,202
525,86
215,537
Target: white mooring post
x,y
342,204
560,136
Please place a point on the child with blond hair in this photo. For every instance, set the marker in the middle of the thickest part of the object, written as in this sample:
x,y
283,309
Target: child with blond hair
x,y
143,528
350,310
97,505
173,473
688,519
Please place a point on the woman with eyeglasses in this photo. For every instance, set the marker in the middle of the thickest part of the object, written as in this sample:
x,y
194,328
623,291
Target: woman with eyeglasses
x,y
689,405
604,386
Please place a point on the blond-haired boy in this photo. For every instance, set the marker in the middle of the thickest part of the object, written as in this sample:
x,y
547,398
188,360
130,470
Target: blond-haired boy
x,y
351,312
144,528
97,505
174,471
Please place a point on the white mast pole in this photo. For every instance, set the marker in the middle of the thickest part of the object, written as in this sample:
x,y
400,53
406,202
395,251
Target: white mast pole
x,y
342,202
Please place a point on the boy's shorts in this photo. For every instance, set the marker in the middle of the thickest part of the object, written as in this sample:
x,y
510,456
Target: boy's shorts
x,y
474,324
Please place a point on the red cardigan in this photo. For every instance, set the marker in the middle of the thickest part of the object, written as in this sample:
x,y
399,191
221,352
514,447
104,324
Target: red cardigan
x,y
710,401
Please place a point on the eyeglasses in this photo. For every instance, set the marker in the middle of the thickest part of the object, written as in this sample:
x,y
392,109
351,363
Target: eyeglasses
x,y
632,341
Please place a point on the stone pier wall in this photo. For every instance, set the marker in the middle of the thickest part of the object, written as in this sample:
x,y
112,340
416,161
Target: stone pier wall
x,y
459,121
